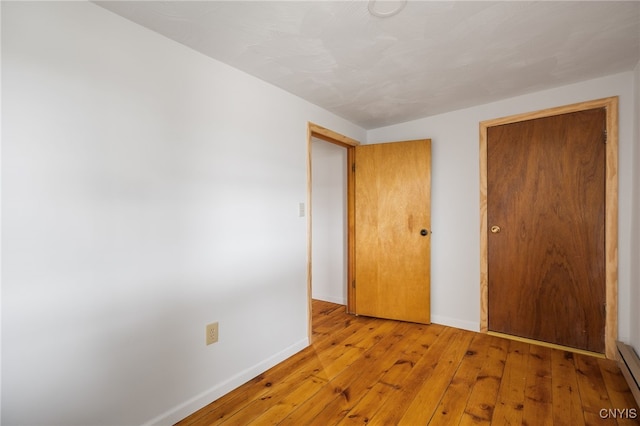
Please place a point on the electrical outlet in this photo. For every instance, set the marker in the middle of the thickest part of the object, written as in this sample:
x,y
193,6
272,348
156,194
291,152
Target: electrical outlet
x,y
212,333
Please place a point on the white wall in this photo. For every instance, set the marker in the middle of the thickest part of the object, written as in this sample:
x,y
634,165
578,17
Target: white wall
x,y
634,339
146,191
455,276
329,222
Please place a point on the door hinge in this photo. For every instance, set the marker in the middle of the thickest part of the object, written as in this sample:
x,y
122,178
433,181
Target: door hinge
x,y
353,283
605,135
353,167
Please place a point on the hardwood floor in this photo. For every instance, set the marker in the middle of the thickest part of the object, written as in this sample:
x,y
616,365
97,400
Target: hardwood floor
x,y
368,371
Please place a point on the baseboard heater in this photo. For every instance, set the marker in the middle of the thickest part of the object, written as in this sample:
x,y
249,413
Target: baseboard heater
x,y
630,367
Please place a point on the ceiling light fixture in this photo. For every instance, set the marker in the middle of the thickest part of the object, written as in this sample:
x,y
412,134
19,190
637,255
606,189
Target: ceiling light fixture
x,y
386,8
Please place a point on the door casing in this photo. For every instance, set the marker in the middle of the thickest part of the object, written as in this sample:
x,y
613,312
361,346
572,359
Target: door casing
x,y
611,210
327,135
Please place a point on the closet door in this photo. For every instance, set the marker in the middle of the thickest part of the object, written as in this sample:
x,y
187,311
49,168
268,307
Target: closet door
x,y
546,236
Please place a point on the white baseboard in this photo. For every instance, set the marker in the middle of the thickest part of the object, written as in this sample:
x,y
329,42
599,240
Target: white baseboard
x,y
183,410
456,323
338,300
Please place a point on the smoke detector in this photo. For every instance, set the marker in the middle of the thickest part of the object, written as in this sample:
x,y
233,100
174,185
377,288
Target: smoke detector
x,y
386,8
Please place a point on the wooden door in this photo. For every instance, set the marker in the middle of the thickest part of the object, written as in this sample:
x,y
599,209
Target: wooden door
x,y
546,219
392,225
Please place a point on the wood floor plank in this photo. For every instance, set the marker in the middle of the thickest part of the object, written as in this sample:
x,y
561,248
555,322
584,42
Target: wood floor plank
x,y
338,393
334,362
322,308
332,353
280,408
303,385
454,401
351,386
329,363
567,406
538,408
327,318
342,333
413,348
510,402
627,411
484,395
367,371
225,406
593,391
439,376
395,406
260,390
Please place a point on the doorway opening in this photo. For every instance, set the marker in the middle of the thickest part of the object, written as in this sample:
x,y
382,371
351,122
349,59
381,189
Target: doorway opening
x,y
315,135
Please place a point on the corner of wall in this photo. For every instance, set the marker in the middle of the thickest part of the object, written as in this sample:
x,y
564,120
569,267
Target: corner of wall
x,y
635,215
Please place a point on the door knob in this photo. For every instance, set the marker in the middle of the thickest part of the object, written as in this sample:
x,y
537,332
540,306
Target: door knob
x,y
424,232
495,229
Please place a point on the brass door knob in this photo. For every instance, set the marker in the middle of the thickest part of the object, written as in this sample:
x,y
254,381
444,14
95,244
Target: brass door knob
x,y
495,229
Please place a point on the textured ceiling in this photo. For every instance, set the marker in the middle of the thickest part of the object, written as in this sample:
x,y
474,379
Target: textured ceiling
x,y
432,57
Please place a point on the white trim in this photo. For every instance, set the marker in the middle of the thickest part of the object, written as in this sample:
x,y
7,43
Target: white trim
x,y
338,300
183,410
456,323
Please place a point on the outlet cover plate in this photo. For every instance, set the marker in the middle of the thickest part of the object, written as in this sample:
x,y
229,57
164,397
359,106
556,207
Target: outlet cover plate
x,y
212,333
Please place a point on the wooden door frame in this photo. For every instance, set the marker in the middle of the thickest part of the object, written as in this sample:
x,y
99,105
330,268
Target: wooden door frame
x,y
316,131
611,211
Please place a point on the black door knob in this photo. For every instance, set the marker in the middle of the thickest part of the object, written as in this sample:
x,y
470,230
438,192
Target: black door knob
x,y
424,232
